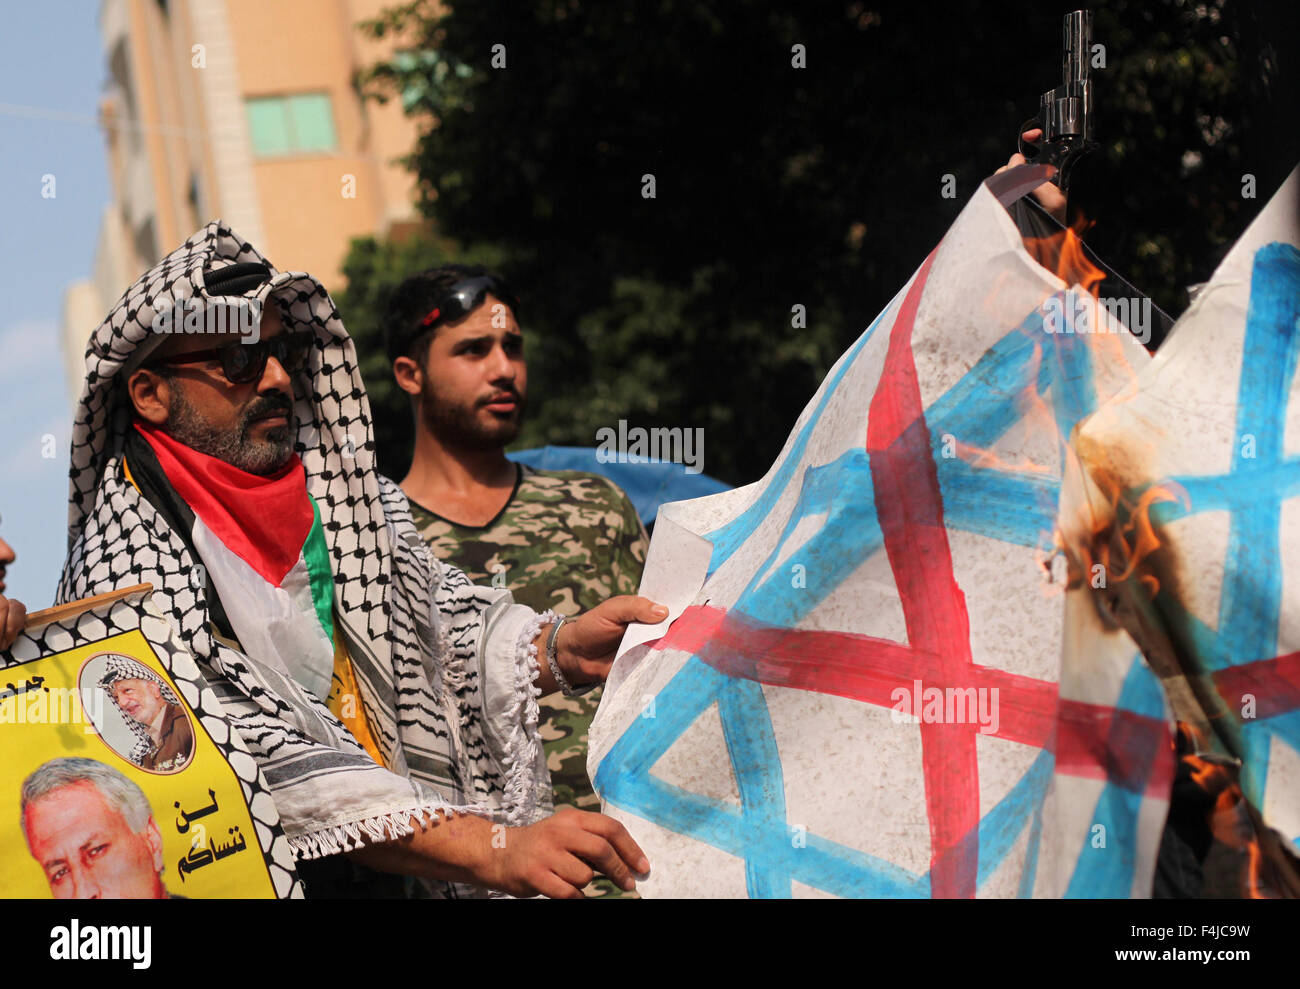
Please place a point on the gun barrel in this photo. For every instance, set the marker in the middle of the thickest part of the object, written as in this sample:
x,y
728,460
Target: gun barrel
x,y
1076,40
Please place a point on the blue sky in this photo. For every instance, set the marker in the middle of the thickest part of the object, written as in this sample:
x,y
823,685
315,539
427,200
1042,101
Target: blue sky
x,y
50,61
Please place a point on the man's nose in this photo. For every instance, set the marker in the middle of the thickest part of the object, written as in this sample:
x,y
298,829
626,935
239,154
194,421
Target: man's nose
x,y
7,554
275,378
502,368
84,886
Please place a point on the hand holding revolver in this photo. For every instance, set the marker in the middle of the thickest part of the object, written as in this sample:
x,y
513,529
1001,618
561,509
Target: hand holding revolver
x,y
1048,195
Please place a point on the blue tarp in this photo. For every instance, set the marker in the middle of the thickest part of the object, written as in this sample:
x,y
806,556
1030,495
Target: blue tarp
x,y
649,483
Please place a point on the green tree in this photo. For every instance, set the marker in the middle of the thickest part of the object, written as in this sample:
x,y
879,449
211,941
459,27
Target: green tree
x,y
798,152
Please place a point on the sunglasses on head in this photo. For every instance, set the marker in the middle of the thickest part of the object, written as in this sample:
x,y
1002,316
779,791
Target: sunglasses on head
x,y
463,298
242,363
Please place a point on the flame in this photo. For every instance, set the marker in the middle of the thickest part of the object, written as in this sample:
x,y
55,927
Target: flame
x,y
1122,536
1115,530
1074,268
1062,254
1229,821
989,459
1125,541
1139,529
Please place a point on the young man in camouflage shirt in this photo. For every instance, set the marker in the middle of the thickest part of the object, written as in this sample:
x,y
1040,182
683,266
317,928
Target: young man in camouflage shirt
x,y
563,540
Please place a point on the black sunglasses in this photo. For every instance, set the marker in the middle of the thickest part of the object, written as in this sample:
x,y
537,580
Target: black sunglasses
x,y
463,298
242,363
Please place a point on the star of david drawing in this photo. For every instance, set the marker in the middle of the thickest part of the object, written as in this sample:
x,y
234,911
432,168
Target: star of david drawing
x,y
898,492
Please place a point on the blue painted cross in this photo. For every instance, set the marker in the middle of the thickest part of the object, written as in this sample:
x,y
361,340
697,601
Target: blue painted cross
x,y
1261,478
1013,506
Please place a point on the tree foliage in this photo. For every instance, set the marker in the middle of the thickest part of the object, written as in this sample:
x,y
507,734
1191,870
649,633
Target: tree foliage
x,y
778,186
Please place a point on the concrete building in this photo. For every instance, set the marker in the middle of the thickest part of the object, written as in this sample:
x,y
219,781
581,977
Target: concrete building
x,y
244,110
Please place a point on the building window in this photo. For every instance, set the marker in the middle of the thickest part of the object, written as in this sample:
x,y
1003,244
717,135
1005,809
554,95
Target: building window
x,y
291,125
192,199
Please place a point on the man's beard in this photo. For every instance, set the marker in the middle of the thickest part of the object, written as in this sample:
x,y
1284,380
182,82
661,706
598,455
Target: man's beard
x,y
235,446
461,426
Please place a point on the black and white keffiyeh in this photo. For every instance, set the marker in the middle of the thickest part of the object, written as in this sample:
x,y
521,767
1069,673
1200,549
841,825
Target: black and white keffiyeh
x,y
119,667
445,669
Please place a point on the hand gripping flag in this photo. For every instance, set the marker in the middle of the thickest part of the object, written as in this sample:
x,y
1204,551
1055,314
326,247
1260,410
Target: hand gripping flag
x,y
859,696
1189,501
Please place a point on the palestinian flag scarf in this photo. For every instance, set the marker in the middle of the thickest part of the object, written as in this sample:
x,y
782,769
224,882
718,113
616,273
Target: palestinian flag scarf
x,y
264,555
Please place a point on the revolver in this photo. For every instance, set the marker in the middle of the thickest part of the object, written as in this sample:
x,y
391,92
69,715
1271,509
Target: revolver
x,y
1065,113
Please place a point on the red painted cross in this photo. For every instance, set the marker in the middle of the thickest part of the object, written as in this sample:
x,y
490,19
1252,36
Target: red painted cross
x,y
1089,740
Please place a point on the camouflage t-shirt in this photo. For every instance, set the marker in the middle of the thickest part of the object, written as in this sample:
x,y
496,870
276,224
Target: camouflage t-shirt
x,y
565,540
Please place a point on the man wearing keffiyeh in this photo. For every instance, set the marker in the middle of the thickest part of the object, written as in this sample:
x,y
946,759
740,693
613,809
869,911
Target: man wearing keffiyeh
x,y
153,713
390,703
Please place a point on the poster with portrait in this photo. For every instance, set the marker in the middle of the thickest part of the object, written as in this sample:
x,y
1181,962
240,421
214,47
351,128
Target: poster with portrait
x,y
121,778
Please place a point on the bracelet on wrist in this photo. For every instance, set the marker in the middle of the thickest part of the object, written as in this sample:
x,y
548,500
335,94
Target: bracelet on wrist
x,y
554,663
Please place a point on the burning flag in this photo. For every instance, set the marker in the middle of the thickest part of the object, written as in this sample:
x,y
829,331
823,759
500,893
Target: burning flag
x,y
1186,505
856,692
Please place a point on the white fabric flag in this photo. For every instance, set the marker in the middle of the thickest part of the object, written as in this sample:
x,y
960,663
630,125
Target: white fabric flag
x,y
856,691
1189,500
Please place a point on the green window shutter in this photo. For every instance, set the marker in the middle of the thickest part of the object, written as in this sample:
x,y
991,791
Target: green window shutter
x,y
313,122
268,127
286,125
